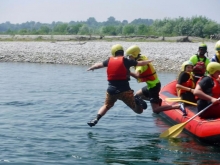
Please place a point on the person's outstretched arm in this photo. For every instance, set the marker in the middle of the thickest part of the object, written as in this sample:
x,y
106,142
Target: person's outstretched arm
x,y
96,66
142,63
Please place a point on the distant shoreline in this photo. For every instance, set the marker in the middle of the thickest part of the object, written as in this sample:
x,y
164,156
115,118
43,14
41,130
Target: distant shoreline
x,y
81,38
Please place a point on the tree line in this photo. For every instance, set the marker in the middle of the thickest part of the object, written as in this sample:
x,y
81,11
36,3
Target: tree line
x,y
198,26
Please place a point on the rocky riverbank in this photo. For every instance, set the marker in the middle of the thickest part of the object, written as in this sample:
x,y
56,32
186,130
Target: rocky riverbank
x,y
167,56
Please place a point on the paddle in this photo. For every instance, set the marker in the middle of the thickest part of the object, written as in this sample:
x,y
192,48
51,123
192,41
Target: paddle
x,y
175,130
180,100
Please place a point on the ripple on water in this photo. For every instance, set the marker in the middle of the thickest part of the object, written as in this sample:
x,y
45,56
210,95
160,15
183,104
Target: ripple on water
x,y
44,111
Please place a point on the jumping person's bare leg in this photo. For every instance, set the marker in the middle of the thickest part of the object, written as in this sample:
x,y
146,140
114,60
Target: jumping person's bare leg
x,y
157,109
102,111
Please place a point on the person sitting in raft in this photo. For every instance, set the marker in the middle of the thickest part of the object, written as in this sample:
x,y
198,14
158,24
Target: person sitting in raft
x,y
208,91
147,74
200,56
216,57
185,85
200,61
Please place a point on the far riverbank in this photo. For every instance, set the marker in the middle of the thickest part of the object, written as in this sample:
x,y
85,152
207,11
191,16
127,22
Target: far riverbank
x,y
167,56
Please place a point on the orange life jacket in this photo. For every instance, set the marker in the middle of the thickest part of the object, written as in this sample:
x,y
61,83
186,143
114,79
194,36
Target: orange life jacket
x,y
148,75
116,69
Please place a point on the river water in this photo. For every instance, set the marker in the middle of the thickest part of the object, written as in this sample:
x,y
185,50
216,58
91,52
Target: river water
x,y
44,109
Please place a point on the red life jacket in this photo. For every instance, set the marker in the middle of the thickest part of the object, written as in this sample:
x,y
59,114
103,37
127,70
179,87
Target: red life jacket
x,y
215,89
199,68
116,69
148,75
213,111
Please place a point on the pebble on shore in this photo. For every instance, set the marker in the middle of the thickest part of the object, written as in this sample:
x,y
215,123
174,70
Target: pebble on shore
x,y
167,56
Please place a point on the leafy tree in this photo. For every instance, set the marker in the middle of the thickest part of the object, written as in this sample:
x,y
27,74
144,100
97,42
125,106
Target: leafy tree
x,y
60,28
197,29
142,29
211,28
182,27
44,30
142,21
9,31
119,30
128,29
84,30
111,21
34,32
91,22
124,22
73,29
109,30
23,31
167,28
157,26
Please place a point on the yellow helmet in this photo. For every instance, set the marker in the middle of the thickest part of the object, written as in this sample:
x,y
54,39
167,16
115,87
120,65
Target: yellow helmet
x,y
203,46
133,51
217,46
186,63
116,48
212,67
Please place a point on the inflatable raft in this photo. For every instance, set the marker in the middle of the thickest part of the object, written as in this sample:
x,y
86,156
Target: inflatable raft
x,y
206,130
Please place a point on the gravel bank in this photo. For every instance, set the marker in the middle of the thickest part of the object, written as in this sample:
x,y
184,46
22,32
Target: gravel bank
x,y
167,56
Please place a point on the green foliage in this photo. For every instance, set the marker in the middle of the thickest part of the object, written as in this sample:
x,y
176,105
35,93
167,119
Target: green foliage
x,y
9,31
44,30
73,29
23,31
119,30
208,29
142,29
128,29
196,26
60,28
84,30
109,30
142,21
91,22
111,21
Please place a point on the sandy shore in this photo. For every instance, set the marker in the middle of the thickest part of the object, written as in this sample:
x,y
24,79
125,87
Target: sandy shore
x,y
167,56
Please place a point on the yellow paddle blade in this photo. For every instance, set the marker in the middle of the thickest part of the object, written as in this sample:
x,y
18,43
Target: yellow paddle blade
x,y
180,100
173,131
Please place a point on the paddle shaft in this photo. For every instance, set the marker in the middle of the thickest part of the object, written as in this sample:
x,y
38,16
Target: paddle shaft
x,y
179,100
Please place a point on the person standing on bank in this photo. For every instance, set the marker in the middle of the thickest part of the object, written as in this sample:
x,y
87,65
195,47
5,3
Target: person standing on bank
x,y
208,91
118,75
148,75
